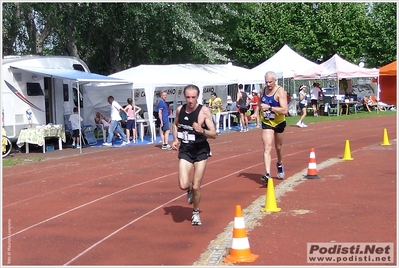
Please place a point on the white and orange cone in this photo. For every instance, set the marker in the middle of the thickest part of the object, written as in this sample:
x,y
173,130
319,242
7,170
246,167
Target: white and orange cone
x,y
312,167
240,251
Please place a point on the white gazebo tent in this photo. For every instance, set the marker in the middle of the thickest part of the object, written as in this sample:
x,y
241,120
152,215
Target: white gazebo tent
x,y
284,63
338,68
150,77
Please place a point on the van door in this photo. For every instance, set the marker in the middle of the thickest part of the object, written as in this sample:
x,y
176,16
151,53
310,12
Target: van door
x,y
53,96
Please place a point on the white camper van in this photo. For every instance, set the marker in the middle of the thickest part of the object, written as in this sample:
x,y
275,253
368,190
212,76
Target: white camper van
x,y
38,90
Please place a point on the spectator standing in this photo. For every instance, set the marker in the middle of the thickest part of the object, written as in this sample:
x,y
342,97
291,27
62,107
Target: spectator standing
x,y
254,104
243,108
303,104
192,127
115,123
215,104
315,94
164,121
131,111
155,113
75,120
272,108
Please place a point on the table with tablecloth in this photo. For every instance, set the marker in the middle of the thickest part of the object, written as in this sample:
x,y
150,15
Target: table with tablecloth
x,y
38,134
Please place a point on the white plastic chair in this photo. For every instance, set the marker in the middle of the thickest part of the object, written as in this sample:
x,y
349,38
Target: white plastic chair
x,y
101,131
147,123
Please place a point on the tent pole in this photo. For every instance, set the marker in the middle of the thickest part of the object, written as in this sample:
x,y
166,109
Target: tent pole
x,y
80,129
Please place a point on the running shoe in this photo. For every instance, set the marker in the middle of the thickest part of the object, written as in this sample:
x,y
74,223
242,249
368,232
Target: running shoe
x,y
280,171
265,178
107,144
78,146
124,143
195,218
299,124
303,125
166,147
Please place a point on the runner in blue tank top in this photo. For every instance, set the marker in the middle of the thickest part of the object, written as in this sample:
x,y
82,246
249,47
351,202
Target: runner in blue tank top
x,y
272,108
192,127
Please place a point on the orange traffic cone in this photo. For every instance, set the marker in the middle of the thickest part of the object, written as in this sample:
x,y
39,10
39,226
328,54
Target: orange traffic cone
x,y
270,203
385,140
240,251
312,167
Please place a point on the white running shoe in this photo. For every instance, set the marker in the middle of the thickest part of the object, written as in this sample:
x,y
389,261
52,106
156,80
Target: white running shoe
x,y
280,171
195,218
299,124
107,144
124,143
303,125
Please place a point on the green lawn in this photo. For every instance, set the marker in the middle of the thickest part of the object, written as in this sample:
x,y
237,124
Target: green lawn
x,y
292,120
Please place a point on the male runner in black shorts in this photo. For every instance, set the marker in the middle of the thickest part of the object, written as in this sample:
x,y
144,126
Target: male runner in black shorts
x,y
193,125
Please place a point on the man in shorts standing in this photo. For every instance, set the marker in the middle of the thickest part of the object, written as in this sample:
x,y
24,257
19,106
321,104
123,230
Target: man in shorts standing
x,y
164,121
243,108
192,127
272,108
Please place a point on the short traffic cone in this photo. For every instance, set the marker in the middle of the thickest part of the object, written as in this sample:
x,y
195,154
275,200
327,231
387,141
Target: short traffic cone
x,y
347,152
385,140
312,167
240,251
270,202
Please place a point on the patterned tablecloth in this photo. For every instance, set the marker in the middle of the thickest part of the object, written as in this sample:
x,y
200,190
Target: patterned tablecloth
x,y
37,134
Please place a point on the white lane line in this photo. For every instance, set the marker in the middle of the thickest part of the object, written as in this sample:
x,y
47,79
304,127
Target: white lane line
x,y
85,204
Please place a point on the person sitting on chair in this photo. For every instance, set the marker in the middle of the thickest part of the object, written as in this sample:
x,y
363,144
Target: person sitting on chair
x,y
100,119
371,101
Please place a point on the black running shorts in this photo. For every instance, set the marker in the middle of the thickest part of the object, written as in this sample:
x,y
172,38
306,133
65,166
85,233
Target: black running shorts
x,y
193,152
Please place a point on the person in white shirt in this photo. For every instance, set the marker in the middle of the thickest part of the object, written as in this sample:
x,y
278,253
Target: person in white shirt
x,y
115,123
303,103
315,94
75,120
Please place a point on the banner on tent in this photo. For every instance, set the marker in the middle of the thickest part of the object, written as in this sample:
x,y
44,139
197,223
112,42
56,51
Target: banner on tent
x,y
175,94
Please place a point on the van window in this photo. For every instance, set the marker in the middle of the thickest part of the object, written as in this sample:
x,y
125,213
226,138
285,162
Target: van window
x,y
78,67
34,89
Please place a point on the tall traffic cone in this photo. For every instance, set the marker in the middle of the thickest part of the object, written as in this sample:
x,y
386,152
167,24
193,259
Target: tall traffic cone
x,y
385,140
270,202
240,251
347,152
312,167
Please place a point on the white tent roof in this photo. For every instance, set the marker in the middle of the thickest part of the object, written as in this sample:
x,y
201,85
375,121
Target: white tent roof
x,y
284,63
184,74
336,67
150,77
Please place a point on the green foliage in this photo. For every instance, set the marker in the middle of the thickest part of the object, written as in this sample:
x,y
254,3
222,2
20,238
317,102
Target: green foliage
x,y
111,37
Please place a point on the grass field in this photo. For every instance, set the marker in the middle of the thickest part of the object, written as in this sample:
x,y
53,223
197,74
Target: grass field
x,y
292,120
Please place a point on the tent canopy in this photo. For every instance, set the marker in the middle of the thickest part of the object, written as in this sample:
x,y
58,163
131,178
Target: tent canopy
x,y
389,69
75,75
336,67
284,63
149,77
185,74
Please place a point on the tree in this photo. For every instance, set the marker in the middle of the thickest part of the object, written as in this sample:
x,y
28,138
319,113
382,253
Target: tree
x,y
380,40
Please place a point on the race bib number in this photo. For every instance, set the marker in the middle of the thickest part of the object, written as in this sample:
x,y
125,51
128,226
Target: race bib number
x,y
185,137
268,115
